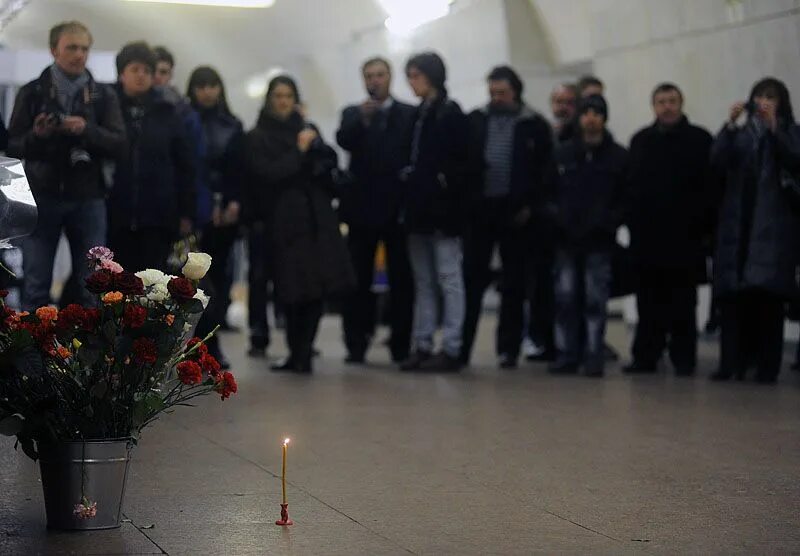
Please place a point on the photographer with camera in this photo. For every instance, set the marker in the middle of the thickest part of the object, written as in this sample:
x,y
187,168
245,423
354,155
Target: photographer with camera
x,y
63,125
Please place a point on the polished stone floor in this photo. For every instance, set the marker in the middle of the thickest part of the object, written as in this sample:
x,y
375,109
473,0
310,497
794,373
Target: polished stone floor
x,y
484,462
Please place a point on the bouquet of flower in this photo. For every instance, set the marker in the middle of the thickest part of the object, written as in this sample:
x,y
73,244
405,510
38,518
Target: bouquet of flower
x,y
88,373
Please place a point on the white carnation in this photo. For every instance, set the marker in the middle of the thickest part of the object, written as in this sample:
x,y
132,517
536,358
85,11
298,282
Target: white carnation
x,y
201,295
151,277
158,293
196,265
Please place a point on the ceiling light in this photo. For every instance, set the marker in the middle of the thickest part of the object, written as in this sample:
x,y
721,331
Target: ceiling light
x,y
223,3
405,16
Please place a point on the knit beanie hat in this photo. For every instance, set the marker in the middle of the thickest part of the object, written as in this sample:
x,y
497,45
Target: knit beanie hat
x,y
596,103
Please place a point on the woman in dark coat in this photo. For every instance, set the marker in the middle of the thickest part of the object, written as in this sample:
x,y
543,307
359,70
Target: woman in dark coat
x,y
757,245
288,191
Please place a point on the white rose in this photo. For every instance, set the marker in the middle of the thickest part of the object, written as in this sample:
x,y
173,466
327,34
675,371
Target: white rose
x,y
151,276
196,265
158,293
201,295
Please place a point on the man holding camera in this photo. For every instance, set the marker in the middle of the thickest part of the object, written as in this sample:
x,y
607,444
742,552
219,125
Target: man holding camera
x,y
63,125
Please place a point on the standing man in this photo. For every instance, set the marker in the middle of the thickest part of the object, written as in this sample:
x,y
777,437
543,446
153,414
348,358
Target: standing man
x,y
376,134
587,205
669,219
563,104
63,125
510,145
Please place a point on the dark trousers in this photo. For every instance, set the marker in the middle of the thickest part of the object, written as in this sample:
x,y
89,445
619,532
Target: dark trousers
x,y
541,297
666,300
259,277
218,242
489,226
583,286
751,333
302,321
143,248
359,311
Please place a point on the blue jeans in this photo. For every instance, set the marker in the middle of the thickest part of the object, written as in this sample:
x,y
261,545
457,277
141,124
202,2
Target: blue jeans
x,y
84,223
582,287
436,264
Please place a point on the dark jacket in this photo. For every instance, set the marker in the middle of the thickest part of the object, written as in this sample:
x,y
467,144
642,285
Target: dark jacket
x,y
221,172
670,196
47,160
588,193
757,237
532,152
437,177
378,154
154,182
291,192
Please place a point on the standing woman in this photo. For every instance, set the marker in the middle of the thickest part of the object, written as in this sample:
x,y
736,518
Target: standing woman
x,y
757,246
289,194
219,187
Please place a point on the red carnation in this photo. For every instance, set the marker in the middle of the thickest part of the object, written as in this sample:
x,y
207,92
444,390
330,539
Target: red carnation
x,y
3,294
190,372
200,351
181,289
210,364
134,316
144,351
225,385
71,316
100,281
128,283
92,319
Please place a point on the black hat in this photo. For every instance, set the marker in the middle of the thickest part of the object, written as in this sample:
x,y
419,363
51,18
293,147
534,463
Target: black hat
x,y
431,65
596,103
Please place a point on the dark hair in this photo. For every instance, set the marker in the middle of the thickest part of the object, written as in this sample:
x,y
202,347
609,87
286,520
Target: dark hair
x,y
506,73
68,27
376,60
138,51
588,81
431,66
164,55
665,88
777,88
281,80
203,76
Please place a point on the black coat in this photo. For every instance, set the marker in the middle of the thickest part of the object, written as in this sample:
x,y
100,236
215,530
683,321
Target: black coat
x,y
757,237
532,152
378,154
154,182
670,196
47,160
291,192
222,171
437,180
588,193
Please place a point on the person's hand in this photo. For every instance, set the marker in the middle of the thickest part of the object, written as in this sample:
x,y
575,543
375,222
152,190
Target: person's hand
x,y
43,126
74,125
368,109
231,214
522,217
305,138
736,111
185,227
767,111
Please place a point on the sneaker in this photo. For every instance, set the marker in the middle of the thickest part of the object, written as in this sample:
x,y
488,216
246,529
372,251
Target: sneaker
x,y
414,362
441,362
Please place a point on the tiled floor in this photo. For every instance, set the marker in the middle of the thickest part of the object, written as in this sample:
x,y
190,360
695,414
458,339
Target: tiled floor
x,y
484,462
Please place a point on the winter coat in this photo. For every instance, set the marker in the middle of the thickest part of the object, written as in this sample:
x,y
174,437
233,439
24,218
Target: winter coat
x,y
437,177
221,171
757,236
154,182
670,196
588,193
47,160
378,154
291,192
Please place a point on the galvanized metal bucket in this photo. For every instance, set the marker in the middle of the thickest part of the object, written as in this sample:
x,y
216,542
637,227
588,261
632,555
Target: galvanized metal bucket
x,y
96,469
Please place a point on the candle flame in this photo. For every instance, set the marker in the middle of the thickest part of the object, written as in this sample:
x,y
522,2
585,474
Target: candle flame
x,y
286,442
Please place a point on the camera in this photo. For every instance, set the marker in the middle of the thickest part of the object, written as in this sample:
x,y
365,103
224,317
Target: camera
x,y
78,156
751,107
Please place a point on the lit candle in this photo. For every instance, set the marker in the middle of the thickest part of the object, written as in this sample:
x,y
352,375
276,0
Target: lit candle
x,y
283,471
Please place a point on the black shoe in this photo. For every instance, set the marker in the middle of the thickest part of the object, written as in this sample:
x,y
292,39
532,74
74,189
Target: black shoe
x,y
636,368
766,379
561,368
354,359
441,362
595,372
414,362
544,357
399,357
721,376
610,353
684,371
282,366
257,352
507,361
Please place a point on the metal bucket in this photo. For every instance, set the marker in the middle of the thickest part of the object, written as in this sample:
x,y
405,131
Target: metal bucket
x,y
97,469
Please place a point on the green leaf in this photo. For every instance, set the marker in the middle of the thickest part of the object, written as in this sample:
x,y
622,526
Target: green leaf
x,y
146,408
193,306
12,424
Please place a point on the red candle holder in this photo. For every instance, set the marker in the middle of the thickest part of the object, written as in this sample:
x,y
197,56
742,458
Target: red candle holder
x,y
284,520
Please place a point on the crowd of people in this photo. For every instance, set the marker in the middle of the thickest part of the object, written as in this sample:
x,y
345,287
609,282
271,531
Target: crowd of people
x,y
137,166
